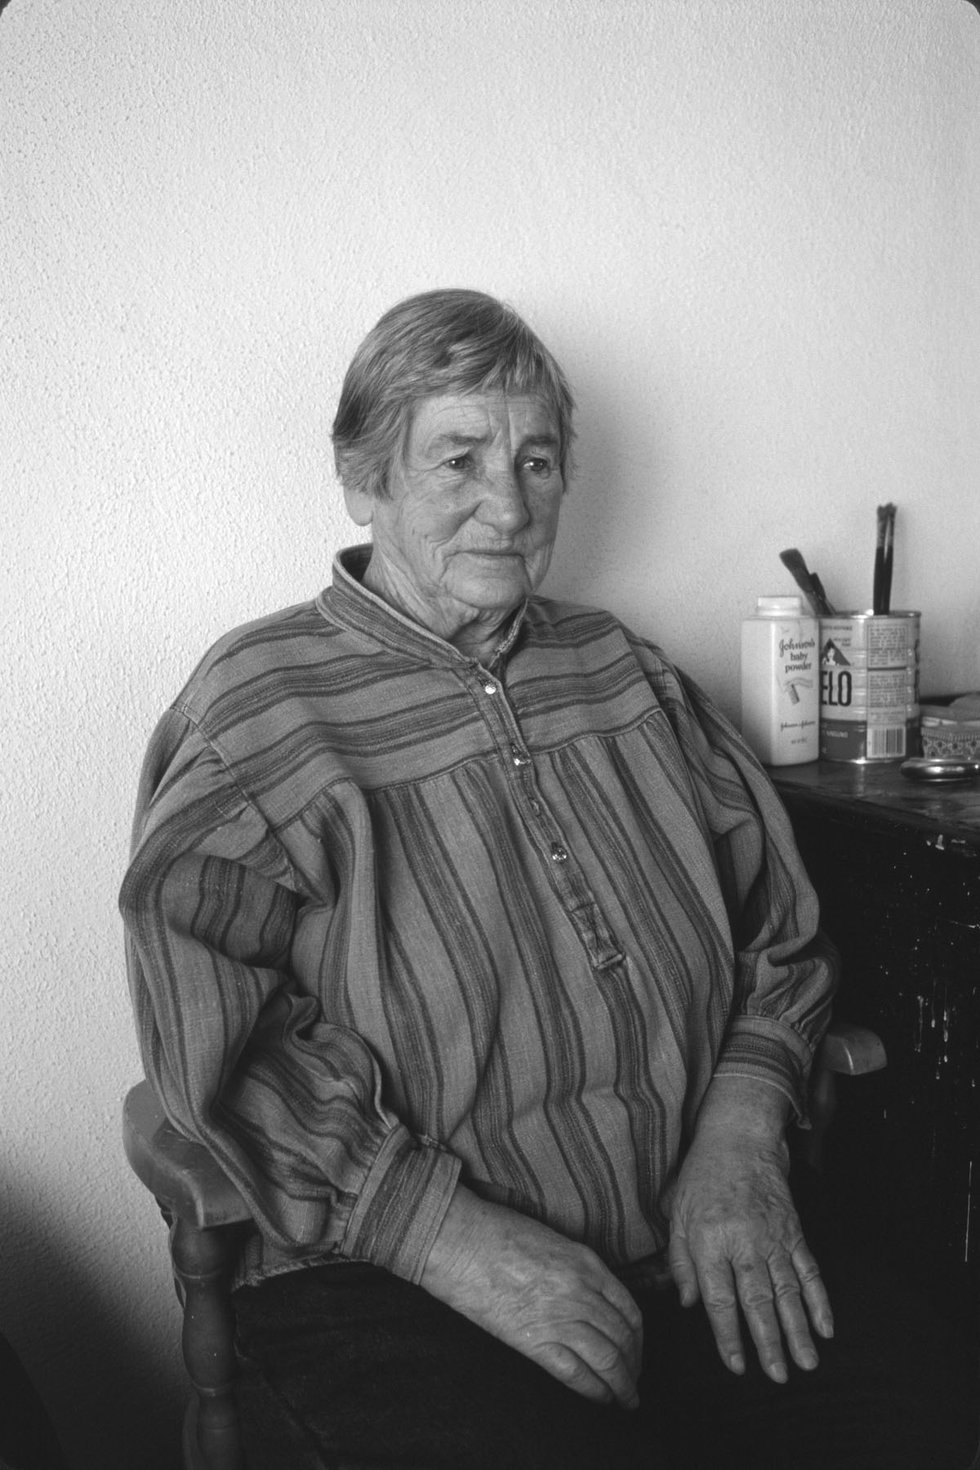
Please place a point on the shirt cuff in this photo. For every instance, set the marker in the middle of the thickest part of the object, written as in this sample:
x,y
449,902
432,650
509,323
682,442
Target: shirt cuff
x,y
771,1052
401,1205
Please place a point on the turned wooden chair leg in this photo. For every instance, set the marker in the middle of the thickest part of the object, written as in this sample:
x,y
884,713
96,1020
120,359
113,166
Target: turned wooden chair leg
x,y
202,1260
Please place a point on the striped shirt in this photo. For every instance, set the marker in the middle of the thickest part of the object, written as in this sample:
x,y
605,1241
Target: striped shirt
x,y
395,919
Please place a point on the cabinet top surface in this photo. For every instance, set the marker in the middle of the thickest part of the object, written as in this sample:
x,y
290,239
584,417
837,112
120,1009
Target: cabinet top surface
x,y
880,792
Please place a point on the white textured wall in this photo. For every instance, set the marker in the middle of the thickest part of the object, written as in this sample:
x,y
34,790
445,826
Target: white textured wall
x,y
747,227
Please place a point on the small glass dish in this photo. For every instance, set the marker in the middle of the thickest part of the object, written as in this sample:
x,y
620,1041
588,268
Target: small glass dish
x,y
940,768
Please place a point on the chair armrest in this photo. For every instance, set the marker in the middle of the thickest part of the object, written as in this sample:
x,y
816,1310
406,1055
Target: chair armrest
x,y
180,1173
851,1050
845,1051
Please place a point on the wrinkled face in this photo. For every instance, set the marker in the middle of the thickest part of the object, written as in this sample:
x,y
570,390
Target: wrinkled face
x,y
467,529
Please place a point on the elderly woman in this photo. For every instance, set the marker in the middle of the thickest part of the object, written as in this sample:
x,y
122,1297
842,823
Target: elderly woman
x,y
473,943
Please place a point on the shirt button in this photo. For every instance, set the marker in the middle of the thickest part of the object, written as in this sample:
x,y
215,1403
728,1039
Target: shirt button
x,y
518,756
558,853
489,688
536,808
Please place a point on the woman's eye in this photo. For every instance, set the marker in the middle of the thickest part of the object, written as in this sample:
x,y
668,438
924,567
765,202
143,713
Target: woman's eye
x,y
538,465
458,462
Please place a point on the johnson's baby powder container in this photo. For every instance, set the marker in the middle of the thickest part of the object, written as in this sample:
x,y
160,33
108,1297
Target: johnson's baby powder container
x,y
781,682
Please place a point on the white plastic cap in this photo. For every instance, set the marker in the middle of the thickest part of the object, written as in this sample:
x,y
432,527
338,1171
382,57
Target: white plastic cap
x,y
779,607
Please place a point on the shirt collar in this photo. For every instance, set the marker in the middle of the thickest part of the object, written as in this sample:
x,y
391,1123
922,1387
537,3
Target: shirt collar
x,y
348,603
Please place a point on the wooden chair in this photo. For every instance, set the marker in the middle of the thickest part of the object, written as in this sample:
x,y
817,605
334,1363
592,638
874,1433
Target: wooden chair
x,y
205,1213
846,1051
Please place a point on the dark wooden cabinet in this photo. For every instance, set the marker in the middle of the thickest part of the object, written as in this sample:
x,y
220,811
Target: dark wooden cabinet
x,y
897,868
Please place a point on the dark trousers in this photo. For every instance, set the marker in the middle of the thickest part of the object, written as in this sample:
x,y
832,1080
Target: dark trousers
x,y
348,1367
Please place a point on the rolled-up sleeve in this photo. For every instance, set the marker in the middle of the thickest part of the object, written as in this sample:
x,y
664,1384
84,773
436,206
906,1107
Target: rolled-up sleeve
x,y
242,1058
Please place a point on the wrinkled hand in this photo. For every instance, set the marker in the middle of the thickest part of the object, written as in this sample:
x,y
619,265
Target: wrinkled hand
x,y
736,1240
551,1299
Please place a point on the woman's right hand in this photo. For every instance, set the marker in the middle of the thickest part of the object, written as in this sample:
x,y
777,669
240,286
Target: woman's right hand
x,y
548,1297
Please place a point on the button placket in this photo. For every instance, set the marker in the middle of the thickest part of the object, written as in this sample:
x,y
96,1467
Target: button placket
x,y
520,759
570,886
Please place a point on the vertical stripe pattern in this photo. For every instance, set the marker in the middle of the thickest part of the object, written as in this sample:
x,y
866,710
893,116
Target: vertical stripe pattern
x,y
394,920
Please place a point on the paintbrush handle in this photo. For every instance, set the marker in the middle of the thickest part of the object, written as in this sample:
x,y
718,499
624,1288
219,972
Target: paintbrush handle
x,y
878,589
824,608
884,601
793,561
886,586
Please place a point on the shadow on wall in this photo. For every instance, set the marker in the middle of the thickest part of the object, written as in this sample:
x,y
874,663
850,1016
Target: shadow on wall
x,y
97,1370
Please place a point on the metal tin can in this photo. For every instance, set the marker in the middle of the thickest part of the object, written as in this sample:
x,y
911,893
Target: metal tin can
x,y
869,686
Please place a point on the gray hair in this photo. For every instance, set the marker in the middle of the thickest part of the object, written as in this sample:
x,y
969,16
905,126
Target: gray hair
x,y
440,342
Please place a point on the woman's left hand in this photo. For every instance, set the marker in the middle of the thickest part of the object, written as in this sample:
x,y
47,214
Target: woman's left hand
x,y
736,1242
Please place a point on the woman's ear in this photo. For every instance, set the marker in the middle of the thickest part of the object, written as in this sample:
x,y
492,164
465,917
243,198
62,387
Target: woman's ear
x,y
360,505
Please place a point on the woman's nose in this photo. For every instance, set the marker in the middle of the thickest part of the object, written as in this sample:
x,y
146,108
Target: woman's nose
x,y
504,503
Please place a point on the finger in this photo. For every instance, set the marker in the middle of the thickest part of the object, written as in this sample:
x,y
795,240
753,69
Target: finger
x,y
622,1329
801,1301
814,1292
717,1289
562,1363
758,1299
618,1369
628,1319
793,1318
588,1362
683,1271
602,1321
622,1300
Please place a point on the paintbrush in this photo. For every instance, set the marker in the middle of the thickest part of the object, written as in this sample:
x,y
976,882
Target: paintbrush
x,y
808,583
827,610
886,575
884,553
